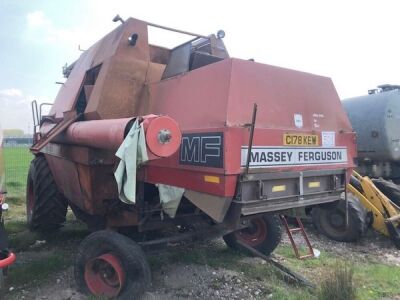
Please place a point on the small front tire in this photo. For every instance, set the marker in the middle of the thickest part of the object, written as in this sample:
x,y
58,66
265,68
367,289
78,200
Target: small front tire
x,y
111,265
264,235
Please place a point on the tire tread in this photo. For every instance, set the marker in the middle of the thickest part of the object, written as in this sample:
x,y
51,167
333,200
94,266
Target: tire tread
x,y
50,207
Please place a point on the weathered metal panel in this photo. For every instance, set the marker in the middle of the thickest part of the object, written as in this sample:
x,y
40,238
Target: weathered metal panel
x,y
197,100
69,91
214,206
280,94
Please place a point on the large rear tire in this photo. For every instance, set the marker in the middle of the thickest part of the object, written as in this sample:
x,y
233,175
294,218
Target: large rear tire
x,y
330,220
264,235
111,265
46,208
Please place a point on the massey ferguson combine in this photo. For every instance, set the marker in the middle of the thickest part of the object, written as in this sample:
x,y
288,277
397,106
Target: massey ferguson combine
x,y
142,138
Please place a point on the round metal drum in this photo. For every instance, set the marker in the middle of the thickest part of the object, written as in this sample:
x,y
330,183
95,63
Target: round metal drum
x,y
163,136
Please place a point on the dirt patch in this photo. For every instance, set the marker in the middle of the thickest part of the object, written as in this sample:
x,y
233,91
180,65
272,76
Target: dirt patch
x,y
60,287
179,281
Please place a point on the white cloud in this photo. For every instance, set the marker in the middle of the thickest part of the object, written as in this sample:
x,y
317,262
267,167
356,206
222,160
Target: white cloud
x,y
41,28
37,19
13,92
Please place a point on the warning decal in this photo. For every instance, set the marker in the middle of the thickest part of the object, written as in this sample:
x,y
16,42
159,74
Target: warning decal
x,y
293,156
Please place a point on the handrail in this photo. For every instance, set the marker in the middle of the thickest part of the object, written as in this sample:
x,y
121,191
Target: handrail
x,y
175,30
35,113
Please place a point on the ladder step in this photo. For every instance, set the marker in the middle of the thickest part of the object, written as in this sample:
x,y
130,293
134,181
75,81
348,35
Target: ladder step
x,y
300,229
307,255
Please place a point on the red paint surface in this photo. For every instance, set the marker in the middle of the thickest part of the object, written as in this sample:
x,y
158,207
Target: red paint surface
x,y
7,261
220,98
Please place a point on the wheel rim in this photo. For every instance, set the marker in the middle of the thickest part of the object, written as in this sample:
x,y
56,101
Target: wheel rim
x,y
104,275
255,234
30,200
337,220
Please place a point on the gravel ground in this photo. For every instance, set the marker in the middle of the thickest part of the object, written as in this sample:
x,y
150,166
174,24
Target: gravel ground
x,y
192,281
372,247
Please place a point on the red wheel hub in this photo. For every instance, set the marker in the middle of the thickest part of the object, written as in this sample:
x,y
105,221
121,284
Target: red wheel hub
x,y
255,234
104,275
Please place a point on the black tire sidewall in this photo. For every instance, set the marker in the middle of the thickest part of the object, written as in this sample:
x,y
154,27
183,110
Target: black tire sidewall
x,y
271,241
357,220
29,191
389,189
2,284
49,206
132,258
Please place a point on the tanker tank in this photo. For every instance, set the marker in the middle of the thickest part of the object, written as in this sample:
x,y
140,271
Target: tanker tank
x,y
376,120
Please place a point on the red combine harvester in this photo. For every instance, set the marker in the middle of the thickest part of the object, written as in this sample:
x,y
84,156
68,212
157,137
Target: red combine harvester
x,y
208,144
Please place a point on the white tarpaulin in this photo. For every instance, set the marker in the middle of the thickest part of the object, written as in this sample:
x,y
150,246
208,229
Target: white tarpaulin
x,y
170,197
132,153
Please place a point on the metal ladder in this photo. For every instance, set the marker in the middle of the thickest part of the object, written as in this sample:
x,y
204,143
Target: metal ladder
x,y
299,228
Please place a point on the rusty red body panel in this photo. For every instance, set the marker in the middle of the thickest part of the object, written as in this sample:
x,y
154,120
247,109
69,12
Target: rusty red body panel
x,y
210,97
221,100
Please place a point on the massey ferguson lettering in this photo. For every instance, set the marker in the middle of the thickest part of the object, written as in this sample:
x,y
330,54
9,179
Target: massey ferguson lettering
x,y
287,156
202,149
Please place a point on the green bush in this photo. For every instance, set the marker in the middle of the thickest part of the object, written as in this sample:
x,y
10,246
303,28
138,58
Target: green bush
x,y
338,284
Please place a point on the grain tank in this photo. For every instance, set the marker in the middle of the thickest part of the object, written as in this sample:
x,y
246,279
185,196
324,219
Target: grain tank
x,y
376,120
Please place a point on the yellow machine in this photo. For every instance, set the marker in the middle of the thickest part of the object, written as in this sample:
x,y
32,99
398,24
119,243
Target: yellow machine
x,y
385,213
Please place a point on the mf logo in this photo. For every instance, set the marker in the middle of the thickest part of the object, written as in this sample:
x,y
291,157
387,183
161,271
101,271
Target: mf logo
x,y
202,149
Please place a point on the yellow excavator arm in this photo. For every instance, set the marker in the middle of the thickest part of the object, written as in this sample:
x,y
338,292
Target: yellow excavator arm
x,y
385,213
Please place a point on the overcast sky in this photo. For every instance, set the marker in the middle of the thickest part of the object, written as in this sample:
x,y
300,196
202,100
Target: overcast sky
x,y
353,42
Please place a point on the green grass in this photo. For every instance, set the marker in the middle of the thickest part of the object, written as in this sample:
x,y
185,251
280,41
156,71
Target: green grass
x,y
39,269
338,283
16,160
377,281
373,279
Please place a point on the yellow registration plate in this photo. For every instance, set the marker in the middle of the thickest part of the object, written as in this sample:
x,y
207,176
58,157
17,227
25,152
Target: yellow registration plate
x,y
300,140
